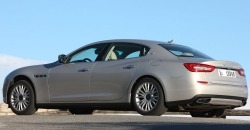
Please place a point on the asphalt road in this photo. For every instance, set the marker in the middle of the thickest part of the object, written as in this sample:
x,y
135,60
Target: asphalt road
x,y
117,122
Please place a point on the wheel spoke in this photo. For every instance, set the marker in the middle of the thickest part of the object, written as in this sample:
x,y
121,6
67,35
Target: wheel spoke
x,y
20,89
25,102
146,106
139,96
154,101
15,94
150,105
139,102
143,104
16,90
154,91
15,102
19,106
148,85
144,88
141,92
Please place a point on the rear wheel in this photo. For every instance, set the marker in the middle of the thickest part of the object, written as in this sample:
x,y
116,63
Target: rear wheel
x,y
217,113
80,111
148,98
21,98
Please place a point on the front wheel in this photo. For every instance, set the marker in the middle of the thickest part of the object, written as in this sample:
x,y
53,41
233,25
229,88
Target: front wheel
x,y
148,98
21,98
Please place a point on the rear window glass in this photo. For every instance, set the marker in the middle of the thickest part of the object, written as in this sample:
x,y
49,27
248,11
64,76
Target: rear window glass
x,y
183,51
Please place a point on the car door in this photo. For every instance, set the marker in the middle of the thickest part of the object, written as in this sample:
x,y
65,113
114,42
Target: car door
x,y
69,82
111,77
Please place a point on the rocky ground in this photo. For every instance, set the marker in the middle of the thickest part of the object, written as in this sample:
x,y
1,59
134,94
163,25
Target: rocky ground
x,y
4,110
244,112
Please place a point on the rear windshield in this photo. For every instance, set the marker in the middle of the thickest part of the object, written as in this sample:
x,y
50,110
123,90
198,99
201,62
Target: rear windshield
x,y
183,51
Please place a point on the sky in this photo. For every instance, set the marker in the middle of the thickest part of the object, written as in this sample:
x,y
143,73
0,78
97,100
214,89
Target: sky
x,y
35,32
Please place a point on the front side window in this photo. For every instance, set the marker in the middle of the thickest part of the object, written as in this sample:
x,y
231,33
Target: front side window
x,y
125,51
88,54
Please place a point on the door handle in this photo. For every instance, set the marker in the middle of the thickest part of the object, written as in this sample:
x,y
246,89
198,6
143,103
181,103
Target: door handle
x,y
129,67
83,70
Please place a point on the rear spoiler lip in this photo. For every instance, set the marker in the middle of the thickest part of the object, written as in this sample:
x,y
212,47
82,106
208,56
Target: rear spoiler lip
x,y
227,68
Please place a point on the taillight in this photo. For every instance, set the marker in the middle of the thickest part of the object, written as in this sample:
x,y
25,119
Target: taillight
x,y
197,67
241,72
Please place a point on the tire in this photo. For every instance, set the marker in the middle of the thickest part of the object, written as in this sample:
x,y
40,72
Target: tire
x,y
217,113
21,98
147,98
80,111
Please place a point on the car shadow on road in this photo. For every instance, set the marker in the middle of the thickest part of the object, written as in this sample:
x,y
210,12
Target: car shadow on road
x,y
134,125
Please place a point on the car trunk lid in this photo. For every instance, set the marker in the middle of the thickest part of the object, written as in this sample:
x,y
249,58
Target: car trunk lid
x,y
226,73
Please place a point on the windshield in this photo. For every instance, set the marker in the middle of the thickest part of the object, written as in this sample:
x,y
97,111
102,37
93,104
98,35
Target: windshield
x,y
183,51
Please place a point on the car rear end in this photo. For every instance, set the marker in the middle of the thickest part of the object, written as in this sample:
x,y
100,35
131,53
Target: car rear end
x,y
223,83
207,83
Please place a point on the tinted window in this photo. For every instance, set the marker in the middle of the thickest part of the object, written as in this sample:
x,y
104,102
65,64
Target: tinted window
x,y
126,51
88,54
183,51
133,55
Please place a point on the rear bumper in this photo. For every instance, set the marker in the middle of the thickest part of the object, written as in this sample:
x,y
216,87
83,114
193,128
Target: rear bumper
x,y
221,101
183,89
210,101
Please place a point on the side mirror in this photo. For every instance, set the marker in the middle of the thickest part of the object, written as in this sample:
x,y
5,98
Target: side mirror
x,y
62,58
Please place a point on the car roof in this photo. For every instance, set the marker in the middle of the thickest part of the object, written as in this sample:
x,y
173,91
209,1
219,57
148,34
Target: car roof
x,y
139,41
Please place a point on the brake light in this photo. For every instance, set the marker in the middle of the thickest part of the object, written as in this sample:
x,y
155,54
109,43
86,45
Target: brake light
x,y
242,72
203,82
197,67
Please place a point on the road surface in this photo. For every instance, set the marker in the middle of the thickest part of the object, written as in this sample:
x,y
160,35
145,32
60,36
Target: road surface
x,y
118,122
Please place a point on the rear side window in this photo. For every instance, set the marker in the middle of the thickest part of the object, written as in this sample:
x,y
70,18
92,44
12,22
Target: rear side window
x,y
183,51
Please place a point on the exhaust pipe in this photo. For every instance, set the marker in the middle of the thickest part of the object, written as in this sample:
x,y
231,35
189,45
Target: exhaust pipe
x,y
203,100
244,103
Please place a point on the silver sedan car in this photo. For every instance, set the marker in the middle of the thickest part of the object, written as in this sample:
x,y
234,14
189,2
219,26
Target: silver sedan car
x,y
151,77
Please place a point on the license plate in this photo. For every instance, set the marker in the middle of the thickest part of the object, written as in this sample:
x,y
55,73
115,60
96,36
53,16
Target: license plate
x,y
227,73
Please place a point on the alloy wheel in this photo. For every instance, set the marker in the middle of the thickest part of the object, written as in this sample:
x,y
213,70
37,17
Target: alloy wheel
x,y
20,97
147,96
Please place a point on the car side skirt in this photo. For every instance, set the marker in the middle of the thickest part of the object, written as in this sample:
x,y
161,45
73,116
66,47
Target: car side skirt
x,y
99,106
